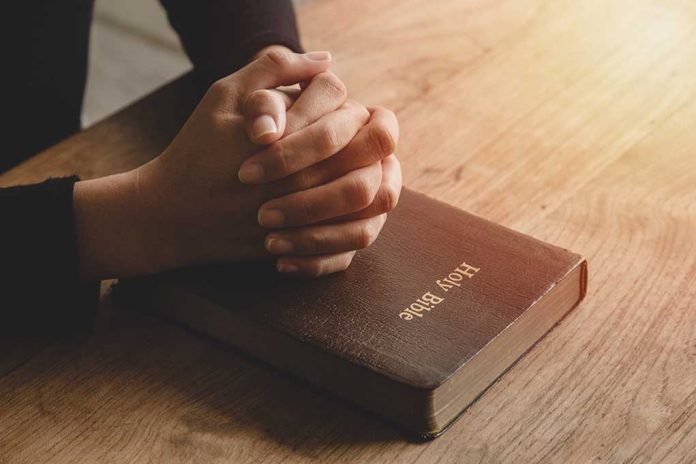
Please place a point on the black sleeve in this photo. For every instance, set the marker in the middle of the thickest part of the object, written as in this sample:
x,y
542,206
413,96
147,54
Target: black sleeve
x,y
40,289
221,36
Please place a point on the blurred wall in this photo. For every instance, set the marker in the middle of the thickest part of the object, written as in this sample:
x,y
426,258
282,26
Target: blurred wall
x,y
145,17
132,52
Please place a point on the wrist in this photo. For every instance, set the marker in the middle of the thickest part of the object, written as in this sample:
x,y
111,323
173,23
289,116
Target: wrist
x,y
114,234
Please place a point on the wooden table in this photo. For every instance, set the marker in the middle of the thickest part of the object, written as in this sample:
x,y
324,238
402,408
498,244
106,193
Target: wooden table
x,y
570,120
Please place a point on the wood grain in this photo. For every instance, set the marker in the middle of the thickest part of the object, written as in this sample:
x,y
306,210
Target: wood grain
x,y
572,121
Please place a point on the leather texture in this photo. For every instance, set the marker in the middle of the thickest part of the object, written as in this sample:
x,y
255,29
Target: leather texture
x,y
355,315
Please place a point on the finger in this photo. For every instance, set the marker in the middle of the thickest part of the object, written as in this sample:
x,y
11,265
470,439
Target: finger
x,y
279,67
315,266
325,93
295,152
375,141
352,192
264,114
387,196
330,238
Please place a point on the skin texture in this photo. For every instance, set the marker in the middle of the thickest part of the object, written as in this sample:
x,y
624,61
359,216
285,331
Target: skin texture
x,y
306,176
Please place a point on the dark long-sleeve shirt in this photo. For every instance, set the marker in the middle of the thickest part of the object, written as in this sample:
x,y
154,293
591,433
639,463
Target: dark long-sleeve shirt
x,y
223,35
40,290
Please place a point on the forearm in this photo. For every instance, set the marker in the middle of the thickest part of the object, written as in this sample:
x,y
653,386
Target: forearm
x,y
107,227
119,226
41,289
220,36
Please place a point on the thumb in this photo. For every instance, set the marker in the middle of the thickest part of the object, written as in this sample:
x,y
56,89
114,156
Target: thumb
x,y
265,114
281,67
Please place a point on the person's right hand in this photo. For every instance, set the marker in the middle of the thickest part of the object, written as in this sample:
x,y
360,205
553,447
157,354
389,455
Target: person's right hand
x,y
329,244
187,206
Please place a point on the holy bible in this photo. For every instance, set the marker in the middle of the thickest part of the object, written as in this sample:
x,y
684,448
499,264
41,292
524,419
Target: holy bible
x,y
419,326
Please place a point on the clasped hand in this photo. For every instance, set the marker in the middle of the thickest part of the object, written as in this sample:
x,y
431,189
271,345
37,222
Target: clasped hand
x,y
306,176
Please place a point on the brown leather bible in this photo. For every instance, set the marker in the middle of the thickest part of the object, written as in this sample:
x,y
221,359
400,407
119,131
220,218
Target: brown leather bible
x,y
420,325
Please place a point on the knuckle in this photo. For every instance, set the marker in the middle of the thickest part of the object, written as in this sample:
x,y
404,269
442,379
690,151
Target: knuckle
x,y
304,179
367,234
360,192
380,140
386,199
385,110
317,243
333,85
219,88
315,268
279,157
364,113
256,99
277,58
219,122
357,109
357,106
304,210
352,104
345,261
386,113
327,139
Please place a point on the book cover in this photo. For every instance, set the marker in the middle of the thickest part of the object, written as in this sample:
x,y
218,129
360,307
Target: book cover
x,y
419,326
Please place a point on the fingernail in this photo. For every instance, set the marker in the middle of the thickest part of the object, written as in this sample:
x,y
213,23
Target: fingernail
x,y
318,56
250,172
271,217
263,125
287,267
278,245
